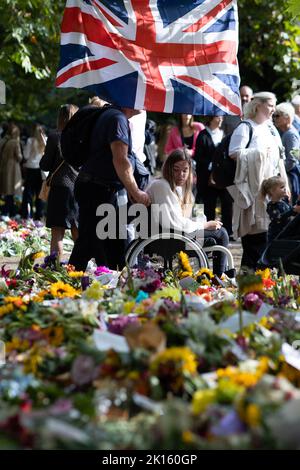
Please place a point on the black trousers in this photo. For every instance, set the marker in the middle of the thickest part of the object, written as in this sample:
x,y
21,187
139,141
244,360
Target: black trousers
x,y
210,198
219,259
32,187
108,252
253,247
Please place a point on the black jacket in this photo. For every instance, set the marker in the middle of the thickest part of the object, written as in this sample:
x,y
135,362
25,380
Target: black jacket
x,y
52,158
203,157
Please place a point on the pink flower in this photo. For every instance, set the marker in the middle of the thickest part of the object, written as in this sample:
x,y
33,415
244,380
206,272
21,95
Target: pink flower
x,y
102,270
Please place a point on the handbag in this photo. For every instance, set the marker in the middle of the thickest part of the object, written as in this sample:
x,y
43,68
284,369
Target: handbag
x,y
46,184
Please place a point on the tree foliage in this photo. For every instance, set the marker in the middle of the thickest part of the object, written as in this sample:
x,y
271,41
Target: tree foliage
x,y
269,52
29,53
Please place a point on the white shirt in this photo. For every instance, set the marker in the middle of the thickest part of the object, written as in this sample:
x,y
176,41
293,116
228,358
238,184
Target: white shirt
x,y
169,203
262,140
32,154
216,135
137,125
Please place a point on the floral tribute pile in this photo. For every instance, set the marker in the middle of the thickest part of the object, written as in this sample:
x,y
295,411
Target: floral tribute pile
x,y
147,359
17,234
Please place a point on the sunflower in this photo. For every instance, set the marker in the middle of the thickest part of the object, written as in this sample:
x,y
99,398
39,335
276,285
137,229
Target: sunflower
x,y
182,358
60,289
204,272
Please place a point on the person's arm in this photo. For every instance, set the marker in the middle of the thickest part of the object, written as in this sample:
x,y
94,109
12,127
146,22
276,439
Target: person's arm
x,y
174,141
18,152
125,173
290,143
238,141
280,216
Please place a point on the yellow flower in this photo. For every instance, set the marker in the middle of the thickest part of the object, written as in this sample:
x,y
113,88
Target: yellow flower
x,y
201,400
76,273
4,309
17,301
60,289
265,273
183,357
55,335
205,282
257,287
188,437
17,344
39,297
95,291
167,292
252,415
32,362
183,274
39,254
128,306
184,262
205,271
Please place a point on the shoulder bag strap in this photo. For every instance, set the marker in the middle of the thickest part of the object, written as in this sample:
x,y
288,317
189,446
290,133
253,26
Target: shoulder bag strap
x,y
49,179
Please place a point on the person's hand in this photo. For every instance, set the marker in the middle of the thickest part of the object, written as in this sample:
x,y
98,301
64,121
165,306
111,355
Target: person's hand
x,y
213,225
140,197
296,209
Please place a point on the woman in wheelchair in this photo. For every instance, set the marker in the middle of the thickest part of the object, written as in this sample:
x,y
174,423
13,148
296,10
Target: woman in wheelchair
x,y
174,192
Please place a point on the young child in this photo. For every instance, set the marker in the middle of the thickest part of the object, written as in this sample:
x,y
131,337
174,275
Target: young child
x,y
278,208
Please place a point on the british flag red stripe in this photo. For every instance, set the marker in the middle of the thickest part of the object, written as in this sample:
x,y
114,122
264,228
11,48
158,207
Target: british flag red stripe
x,y
145,54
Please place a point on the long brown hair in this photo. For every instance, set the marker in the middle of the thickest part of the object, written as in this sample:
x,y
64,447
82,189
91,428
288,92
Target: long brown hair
x,y
179,155
65,113
39,136
191,122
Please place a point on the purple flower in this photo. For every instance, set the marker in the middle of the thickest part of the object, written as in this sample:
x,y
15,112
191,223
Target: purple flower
x,y
61,406
252,302
85,282
152,286
83,370
118,325
229,424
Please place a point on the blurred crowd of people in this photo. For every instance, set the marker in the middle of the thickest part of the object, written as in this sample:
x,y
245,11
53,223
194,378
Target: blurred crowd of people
x,y
273,150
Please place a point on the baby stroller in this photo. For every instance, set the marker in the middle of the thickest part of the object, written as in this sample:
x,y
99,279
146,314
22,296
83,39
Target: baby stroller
x,y
284,251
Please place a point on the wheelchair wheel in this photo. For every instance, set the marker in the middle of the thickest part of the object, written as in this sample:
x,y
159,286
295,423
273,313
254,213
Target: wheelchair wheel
x,y
164,246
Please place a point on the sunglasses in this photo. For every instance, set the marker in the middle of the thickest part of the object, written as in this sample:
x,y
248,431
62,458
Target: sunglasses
x,y
277,115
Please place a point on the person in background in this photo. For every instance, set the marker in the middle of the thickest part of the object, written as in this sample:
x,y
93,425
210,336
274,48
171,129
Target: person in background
x,y
33,152
62,209
207,191
174,191
231,122
260,160
184,135
107,171
162,138
10,170
296,104
150,149
283,119
278,208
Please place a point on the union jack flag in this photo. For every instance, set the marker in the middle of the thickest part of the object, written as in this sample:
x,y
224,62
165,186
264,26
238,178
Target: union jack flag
x,y
159,55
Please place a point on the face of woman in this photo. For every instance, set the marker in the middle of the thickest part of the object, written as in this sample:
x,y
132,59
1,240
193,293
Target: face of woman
x,y
216,121
185,119
265,110
181,173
